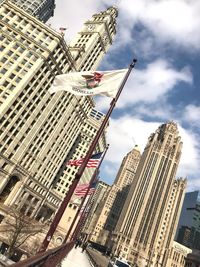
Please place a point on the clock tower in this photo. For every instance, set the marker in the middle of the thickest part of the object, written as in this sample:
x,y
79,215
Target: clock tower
x,y
94,40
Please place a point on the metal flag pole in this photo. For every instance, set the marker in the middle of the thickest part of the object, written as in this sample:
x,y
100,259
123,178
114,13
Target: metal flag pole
x,y
85,196
80,223
81,169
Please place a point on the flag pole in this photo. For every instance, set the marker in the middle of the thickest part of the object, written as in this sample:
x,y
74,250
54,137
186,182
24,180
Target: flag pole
x,y
85,196
81,169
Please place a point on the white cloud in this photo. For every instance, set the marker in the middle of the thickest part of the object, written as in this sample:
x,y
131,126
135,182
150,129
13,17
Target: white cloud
x,y
73,15
166,23
174,21
189,164
161,110
192,114
125,132
111,168
150,84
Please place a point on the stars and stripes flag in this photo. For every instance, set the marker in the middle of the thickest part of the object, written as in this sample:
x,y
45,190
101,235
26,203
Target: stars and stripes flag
x,y
81,189
89,82
92,163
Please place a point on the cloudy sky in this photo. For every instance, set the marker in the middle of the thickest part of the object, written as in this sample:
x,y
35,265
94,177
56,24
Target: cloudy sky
x,y
164,36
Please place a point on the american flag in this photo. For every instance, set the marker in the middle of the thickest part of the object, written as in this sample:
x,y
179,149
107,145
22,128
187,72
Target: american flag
x,y
62,29
81,189
92,163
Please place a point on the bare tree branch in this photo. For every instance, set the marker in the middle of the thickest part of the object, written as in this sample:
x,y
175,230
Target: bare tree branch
x,y
18,228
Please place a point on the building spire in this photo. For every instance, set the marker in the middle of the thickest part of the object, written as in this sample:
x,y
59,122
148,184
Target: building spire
x,y
113,10
136,147
95,38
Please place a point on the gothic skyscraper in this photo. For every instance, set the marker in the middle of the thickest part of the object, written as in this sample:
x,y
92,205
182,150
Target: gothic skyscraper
x,y
147,224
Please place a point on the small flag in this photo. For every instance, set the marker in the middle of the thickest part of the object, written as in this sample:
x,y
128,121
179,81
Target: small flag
x,y
81,189
89,82
62,29
92,163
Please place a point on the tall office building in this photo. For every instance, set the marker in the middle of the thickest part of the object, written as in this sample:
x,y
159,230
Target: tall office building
x,y
87,134
121,186
188,231
41,9
93,41
146,226
39,130
109,209
100,193
66,173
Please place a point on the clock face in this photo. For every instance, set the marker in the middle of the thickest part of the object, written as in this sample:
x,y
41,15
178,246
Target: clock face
x,y
91,27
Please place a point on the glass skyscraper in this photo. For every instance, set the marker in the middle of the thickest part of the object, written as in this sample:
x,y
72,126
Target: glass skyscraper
x,y
188,231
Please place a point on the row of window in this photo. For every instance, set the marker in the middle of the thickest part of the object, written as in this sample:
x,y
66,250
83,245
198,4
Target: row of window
x,y
26,26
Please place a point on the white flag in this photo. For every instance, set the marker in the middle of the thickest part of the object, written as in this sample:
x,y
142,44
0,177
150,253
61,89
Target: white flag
x,y
89,82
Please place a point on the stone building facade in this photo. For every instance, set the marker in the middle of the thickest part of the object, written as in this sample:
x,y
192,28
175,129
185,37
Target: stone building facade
x,y
108,211
38,130
147,224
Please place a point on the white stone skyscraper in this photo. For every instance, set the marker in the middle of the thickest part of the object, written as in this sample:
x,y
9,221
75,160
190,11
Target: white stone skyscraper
x,y
93,41
107,213
88,132
147,224
38,130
